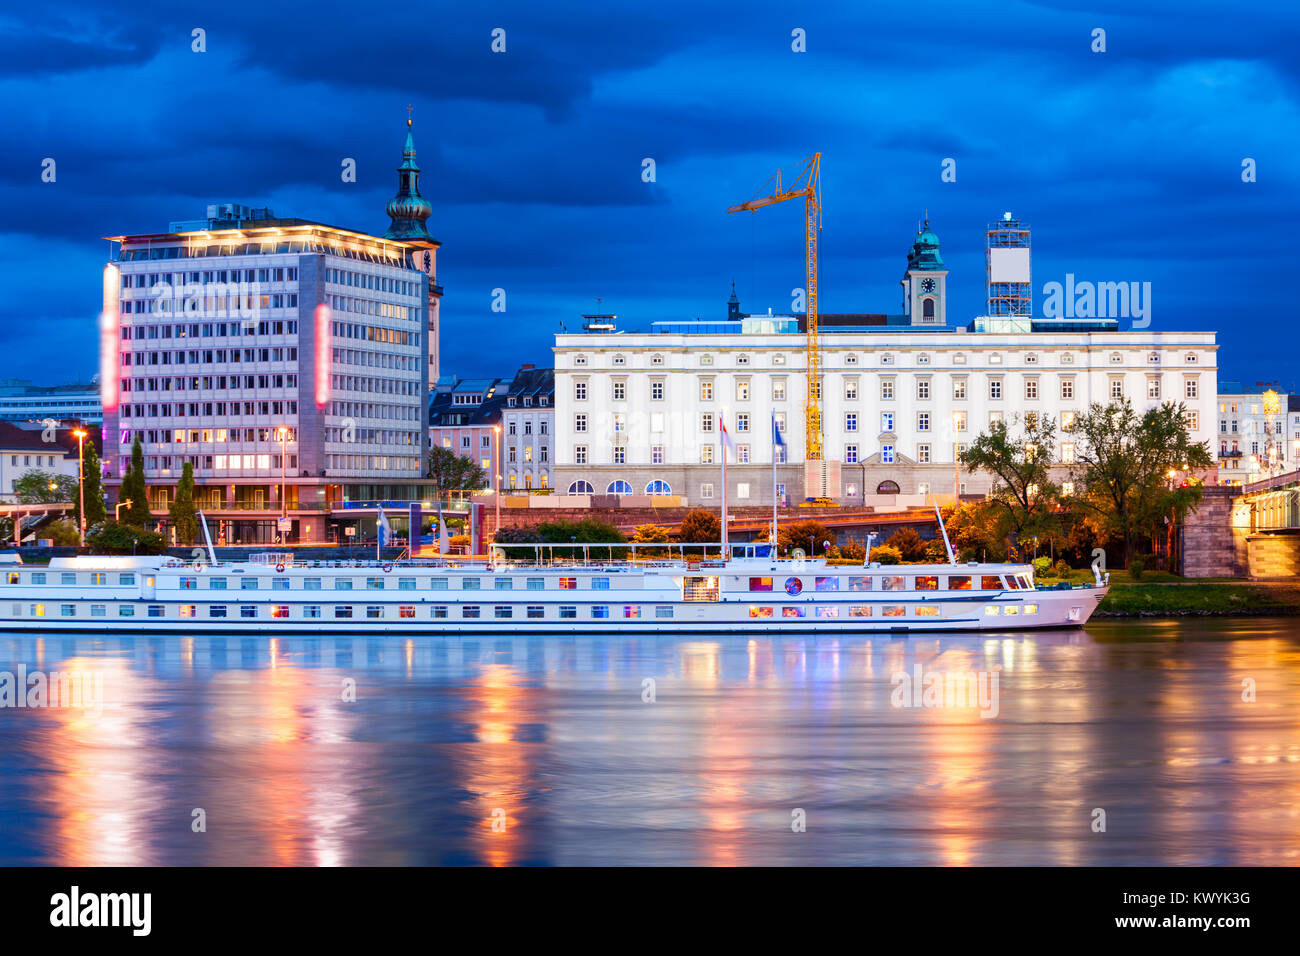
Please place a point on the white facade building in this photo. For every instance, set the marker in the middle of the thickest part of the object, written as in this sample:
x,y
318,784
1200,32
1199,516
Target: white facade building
x,y
1258,436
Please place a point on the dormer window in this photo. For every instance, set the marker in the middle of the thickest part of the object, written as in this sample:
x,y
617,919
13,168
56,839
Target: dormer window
x,y
1116,358
1190,358
923,359
995,358
580,360
620,360
887,359
742,359
706,359
510,401
1067,358
851,359
778,359
1031,358
1153,358
656,360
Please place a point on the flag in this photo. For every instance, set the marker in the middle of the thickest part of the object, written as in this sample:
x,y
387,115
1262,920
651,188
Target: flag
x,y
777,440
384,531
727,441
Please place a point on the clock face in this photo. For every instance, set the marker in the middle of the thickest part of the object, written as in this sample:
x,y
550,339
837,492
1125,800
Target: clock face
x,y
927,285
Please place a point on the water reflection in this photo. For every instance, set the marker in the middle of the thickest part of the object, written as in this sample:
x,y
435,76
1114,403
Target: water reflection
x,y
505,750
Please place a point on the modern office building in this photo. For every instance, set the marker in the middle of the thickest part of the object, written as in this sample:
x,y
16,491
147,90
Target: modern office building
x,y
21,401
267,351
901,395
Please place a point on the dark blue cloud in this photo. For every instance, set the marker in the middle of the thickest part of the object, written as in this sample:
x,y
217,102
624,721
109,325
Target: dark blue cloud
x,y
1126,163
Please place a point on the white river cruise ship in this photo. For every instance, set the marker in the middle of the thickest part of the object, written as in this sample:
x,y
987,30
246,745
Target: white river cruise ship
x,y
750,591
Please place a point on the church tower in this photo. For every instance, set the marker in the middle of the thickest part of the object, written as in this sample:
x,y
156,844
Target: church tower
x,y
925,282
409,211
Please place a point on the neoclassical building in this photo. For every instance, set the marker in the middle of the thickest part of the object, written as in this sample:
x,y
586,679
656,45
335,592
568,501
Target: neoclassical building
x,y
901,395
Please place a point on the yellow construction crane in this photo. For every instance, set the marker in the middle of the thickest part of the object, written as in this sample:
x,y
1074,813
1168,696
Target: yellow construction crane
x,y
807,184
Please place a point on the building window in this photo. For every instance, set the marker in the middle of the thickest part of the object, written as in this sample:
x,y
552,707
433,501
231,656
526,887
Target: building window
x,y
579,423
851,390
887,454
887,388
657,391
851,422
580,391
923,388
959,421
1067,453
1031,388
923,454
579,454
886,421
1189,388
706,422
620,391
1067,388
959,388
742,391
706,490
923,421
851,454
706,454
778,391
1153,388
1116,388
706,391
995,388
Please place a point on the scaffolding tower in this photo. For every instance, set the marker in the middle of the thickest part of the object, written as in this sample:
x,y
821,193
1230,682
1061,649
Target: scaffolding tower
x,y
1007,268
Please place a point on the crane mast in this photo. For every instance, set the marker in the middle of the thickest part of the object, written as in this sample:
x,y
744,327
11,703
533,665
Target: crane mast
x,y
807,185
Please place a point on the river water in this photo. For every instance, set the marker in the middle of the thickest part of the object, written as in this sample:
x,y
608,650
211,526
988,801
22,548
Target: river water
x,y
1180,738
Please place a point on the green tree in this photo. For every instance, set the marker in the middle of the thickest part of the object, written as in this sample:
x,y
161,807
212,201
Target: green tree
x,y
184,515
93,489
1126,465
909,543
1021,470
700,526
808,536
978,531
34,488
652,534
587,531
62,532
451,472
109,537
134,493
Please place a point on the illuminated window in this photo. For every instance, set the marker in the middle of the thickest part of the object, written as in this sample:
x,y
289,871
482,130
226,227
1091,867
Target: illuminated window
x,y
277,610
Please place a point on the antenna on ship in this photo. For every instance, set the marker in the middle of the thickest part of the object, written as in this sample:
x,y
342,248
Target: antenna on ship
x,y
952,559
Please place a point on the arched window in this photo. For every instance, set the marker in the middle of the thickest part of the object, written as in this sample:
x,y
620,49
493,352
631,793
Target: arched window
x,y
581,488
619,487
927,308
658,487
887,488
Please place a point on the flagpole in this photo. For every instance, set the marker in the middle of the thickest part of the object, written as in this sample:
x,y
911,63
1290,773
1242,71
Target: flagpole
x,y
774,486
379,531
723,432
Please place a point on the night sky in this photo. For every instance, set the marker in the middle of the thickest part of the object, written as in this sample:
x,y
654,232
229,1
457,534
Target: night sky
x,y
1127,164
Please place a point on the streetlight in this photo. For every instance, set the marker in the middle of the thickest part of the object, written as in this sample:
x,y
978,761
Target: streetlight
x,y
283,434
496,474
81,480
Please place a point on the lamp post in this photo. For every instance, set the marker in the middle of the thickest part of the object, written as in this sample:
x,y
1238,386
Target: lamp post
x,y
81,482
283,434
496,475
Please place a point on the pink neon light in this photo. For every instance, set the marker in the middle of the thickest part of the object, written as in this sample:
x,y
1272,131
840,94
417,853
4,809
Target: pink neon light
x,y
109,322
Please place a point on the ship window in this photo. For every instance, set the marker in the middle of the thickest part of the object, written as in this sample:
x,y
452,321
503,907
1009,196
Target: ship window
x,y
990,582
859,582
248,584
568,611
277,610
663,610
631,610
568,584
760,584
700,589
68,610
600,584
342,584
406,584
893,610
374,584
438,584
892,582
503,611
311,610
126,579
828,583
927,610
440,610
959,582
792,611
600,610
343,610
1025,582
13,577
505,584
214,584
248,610
536,611
1011,609
828,611
1013,583
38,577
126,610
67,577
992,610
156,610
471,610
536,584
758,610
279,584
927,582
374,610
311,584
99,577
1031,609
98,610
406,610
860,610
469,584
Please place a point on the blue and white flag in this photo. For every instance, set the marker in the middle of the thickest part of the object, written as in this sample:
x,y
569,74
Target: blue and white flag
x,y
777,440
385,532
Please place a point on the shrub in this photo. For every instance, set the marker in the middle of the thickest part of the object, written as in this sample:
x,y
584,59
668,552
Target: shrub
x,y
113,538
886,554
1043,567
1135,567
